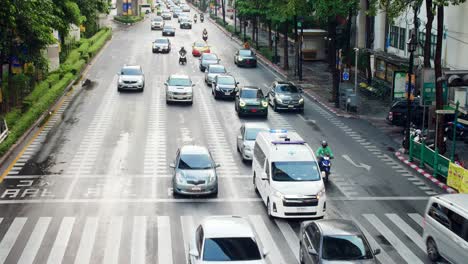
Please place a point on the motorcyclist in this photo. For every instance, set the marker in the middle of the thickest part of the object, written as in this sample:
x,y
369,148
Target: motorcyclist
x,y
182,51
201,17
195,18
205,34
324,151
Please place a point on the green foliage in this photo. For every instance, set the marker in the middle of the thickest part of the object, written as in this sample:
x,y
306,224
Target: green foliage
x,y
99,43
37,93
73,57
12,116
52,79
83,49
128,19
266,52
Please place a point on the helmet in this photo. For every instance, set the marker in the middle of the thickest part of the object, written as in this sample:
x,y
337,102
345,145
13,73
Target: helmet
x,y
324,143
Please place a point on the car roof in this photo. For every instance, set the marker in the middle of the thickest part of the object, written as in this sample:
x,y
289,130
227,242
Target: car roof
x,y
131,67
209,54
256,125
227,226
216,66
460,200
193,149
179,76
335,227
249,88
224,75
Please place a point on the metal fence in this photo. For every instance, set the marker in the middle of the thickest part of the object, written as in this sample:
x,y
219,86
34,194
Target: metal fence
x,y
427,156
3,130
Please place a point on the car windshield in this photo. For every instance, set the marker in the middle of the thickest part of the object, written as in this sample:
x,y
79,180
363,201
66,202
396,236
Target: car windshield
x,y
217,69
251,93
168,28
226,80
295,171
157,19
195,162
251,133
179,82
162,41
209,56
246,53
230,249
131,71
199,44
287,89
347,247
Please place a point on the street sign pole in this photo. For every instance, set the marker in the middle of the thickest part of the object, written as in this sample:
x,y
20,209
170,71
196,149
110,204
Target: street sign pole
x,y
454,140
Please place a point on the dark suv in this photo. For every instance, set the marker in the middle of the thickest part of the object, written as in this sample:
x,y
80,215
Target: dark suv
x,y
285,95
397,113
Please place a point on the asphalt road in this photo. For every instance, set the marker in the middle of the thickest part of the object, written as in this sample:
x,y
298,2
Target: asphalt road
x,y
94,186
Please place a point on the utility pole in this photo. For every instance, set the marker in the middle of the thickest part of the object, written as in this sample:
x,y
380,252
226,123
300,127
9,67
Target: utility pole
x,y
301,41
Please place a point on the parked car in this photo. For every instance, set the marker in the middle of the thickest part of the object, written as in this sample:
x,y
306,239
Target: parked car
x,y
185,23
334,241
251,101
162,45
199,47
398,112
194,172
212,71
224,86
245,57
226,239
246,138
168,31
207,59
157,23
445,228
285,96
179,88
131,77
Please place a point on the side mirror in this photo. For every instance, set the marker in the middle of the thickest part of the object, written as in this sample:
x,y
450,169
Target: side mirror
x,y
239,137
165,83
172,165
206,70
264,176
377,251
194,253
312,251
217,165
118,73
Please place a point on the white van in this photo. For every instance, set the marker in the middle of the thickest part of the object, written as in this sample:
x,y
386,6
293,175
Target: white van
x,y
145,8
446,228
287,176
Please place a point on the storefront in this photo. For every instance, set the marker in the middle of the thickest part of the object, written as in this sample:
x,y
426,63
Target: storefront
x,y
386,64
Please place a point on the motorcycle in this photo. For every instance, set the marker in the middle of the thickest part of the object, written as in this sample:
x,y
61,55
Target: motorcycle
x,y
205,38
325,167
183,59
195,20
201,19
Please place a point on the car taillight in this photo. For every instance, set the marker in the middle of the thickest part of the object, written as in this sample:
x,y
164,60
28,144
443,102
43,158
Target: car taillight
x,y
390,116
207,51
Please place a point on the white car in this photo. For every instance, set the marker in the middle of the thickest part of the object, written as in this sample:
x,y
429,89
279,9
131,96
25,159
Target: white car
x,y
179,88
211,72
226,239
246,138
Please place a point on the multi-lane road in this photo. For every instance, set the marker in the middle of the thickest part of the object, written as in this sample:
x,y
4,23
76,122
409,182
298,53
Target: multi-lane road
x,y
93,184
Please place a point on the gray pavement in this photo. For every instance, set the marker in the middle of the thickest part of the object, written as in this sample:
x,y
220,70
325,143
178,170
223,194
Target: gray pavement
x,y
96,187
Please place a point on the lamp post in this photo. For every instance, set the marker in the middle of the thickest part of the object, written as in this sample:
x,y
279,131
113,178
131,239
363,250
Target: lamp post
x,y
412,45
301,40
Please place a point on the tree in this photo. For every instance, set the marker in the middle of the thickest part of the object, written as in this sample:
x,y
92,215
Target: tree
x,y
68,13
428,34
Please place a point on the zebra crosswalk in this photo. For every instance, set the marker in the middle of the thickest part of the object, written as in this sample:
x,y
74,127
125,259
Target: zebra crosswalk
x,y
162,239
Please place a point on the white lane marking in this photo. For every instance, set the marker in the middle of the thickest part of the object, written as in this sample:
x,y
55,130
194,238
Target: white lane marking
x,y
417,218
114,230
267,240
408,230
10,237
61,241
290,236
360,165
87,241
400,247
35,240
383,257
188,228
164,240
138,250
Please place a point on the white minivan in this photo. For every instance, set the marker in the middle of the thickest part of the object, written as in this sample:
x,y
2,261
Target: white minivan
x,y
287,176
446,228
145,8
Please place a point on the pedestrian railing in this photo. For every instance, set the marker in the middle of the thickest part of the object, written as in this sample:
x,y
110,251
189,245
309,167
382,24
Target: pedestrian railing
x,y
427,156
3,130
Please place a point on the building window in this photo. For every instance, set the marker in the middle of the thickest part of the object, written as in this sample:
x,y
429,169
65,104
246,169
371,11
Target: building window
x,y
398,37
422,38
402,42
394,36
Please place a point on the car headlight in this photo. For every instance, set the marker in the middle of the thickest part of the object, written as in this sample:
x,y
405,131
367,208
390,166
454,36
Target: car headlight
x,y
279,99
169,93
217,88
264,104
120,81
321,193
241,103
247,147
301,101
212,178
240,59
140,81
180,178
278,195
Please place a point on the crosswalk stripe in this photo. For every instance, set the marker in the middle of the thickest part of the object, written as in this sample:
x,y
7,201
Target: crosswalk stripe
x,y
164,241
10,237
408,230
35,240
404,251
138,252
290,236
266,239
188,227
61,241
87,241
417,218
383,257
114,235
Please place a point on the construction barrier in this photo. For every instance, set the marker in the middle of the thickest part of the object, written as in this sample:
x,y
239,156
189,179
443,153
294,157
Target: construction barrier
x,y
458,178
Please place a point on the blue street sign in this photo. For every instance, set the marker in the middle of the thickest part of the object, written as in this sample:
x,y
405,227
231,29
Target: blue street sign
x,y
346,76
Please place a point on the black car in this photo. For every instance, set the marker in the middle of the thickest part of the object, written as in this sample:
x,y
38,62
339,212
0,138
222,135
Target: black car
x,y
286,96
162,45
251,101
246,58
224,86
186,23
398,112
168,31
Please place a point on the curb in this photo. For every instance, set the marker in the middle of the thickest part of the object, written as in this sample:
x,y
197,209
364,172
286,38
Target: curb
x,y
324,105
428,176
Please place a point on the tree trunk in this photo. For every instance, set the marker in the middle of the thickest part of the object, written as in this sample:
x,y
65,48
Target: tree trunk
x,y
253,22
427,41
368,44
270,42
438,75
286,46
257,26
348,30
332,50
223,6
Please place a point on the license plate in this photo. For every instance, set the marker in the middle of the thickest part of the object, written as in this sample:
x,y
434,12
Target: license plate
x,y
304,209
227,93
290,106
196,189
